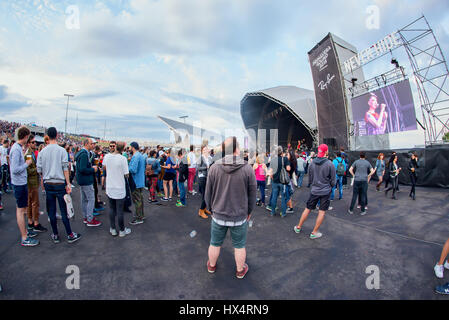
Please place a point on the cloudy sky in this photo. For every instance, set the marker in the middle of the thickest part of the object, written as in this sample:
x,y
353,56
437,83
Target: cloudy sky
x,y
131,60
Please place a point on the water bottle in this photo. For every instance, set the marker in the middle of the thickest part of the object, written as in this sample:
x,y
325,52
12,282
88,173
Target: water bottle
x,y
192,234
250,223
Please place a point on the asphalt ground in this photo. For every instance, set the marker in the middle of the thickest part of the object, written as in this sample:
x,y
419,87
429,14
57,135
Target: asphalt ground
x,y
159,259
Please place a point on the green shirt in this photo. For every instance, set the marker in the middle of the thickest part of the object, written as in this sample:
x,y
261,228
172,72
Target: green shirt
x,y
32,175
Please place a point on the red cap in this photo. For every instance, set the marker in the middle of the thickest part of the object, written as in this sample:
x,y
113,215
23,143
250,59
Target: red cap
x,y
322,149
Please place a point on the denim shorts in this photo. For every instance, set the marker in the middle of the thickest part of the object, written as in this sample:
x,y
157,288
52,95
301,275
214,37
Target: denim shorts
x,y
21,195
238,235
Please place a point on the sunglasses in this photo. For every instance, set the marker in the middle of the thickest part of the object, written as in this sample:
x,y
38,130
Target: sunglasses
x,y
33,142
112,146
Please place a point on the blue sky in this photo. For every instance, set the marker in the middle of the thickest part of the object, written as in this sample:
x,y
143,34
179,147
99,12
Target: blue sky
x,y
131,60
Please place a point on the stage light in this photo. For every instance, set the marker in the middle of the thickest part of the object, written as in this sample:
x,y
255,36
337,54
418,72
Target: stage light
x,y
353,80
384,77
395,62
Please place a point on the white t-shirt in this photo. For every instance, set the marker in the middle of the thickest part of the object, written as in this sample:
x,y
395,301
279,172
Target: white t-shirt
x,y
191,158
116,168
3,154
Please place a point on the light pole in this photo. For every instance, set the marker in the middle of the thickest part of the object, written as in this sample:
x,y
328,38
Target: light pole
x,y
67,109
184,117
76,124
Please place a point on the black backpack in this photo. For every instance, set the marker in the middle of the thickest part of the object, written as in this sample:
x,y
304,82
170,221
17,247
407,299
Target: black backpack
x,y
284,177
183,172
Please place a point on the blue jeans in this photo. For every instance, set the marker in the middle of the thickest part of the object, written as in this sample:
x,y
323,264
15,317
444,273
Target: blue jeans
x,y
289,191
340,188
300,175
160,184
277,189
261,186
175,186
87,195
4,177
53,193
182,192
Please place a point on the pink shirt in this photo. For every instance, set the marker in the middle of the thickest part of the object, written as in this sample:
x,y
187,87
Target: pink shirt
x,y
260,173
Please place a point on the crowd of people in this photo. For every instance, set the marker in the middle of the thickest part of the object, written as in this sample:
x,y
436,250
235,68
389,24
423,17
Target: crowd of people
x,y
7,129
231,183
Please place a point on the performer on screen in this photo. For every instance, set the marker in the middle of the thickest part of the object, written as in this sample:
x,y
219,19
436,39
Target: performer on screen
x,y
375,123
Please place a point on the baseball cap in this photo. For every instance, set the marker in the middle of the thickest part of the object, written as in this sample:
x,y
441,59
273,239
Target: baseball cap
x,y
322,149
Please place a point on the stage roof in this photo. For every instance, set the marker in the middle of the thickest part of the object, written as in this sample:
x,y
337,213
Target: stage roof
x,y
299,101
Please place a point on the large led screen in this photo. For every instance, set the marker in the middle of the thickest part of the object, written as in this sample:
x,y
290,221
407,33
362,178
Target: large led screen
x,y
386,110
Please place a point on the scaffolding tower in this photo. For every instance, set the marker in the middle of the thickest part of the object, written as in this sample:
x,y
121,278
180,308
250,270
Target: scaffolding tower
x,y
431,77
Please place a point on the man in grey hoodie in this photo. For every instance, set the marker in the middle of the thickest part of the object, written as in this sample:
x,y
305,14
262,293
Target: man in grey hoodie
x,y
323,178
231,197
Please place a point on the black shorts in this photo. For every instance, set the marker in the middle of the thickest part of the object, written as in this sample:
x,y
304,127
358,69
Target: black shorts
x,y
21,195
169,176
324,202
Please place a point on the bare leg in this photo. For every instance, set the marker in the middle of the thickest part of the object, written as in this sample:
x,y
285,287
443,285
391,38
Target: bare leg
x,y
240,257
20,213
304,216
165,189
319,220
171,188
444,253
214,253
380,182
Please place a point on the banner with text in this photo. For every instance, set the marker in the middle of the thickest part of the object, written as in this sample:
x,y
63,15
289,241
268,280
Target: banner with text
x,y
330,101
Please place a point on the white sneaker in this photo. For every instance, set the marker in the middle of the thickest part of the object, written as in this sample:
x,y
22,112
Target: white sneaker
x,y
113,232
446,265
316,236
438,271
125,232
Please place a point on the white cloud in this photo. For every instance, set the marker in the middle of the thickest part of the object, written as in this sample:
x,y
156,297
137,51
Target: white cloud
x,y
211,51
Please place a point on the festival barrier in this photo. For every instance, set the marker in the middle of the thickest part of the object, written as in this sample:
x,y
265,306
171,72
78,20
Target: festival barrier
x,y
433,164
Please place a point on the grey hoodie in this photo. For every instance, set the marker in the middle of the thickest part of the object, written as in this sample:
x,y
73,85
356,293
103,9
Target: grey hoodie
x,y
322,175
231,189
